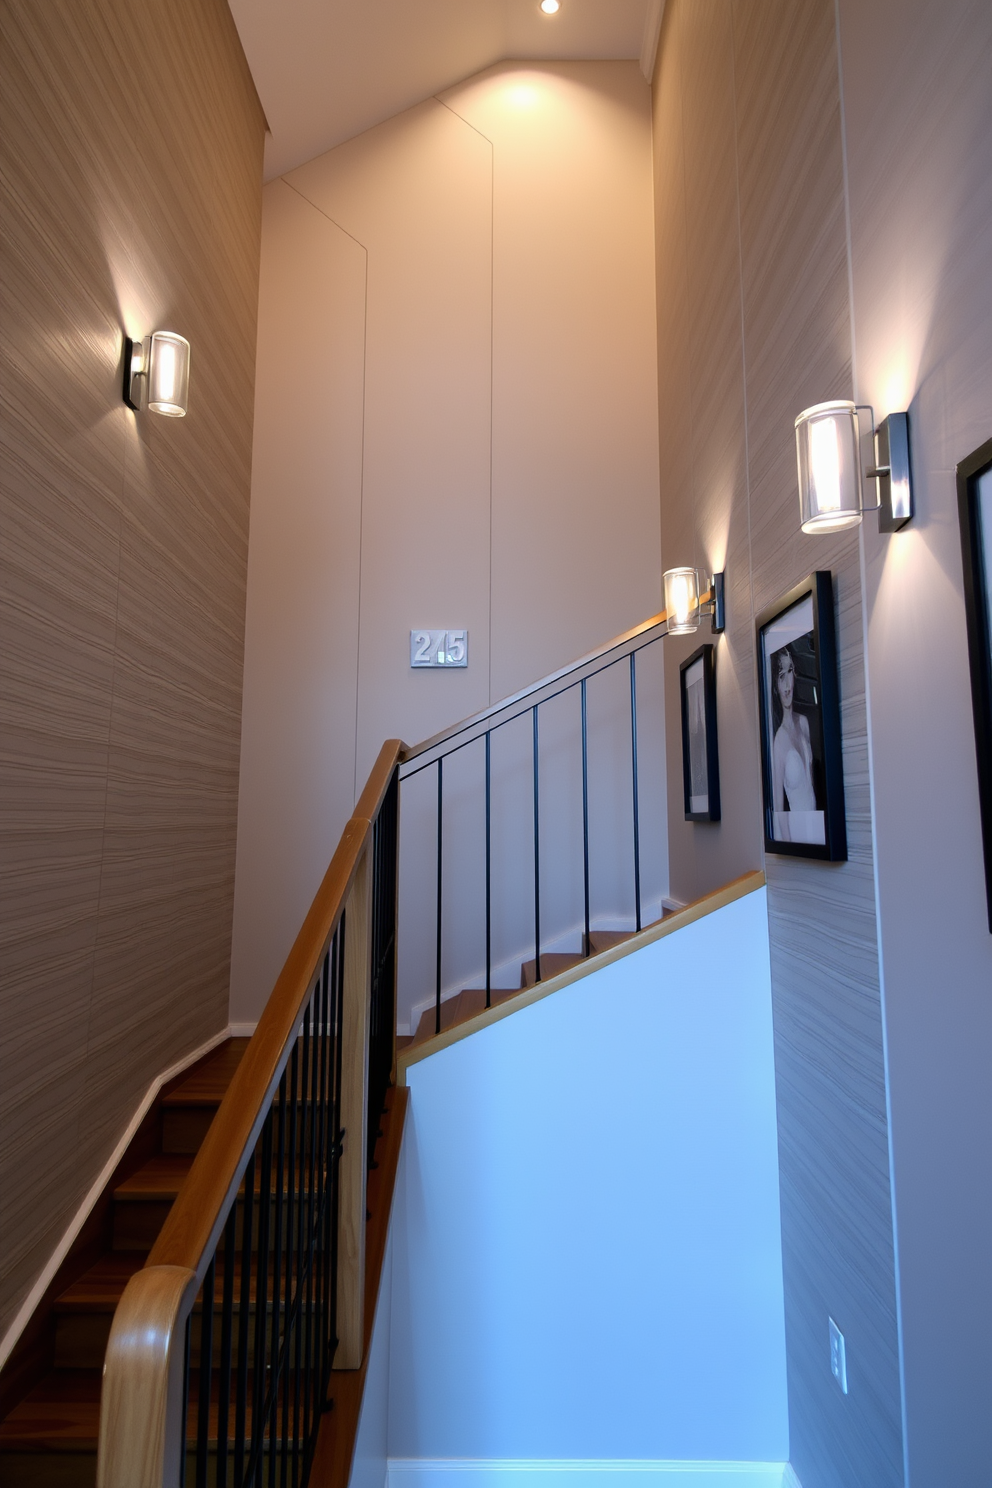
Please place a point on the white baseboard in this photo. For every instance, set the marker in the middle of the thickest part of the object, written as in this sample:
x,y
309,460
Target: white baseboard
x,y
415,1472
241,1030
85,1209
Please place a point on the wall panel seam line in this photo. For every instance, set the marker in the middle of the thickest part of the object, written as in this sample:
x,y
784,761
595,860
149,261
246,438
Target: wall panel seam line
x,y
361,480
492,323
744,398
869,743
688,300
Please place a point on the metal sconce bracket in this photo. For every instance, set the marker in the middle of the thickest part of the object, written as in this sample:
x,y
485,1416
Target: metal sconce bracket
x,y
891,472
134,366
716,606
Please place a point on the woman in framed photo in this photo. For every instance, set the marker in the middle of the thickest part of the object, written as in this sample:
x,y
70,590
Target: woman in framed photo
x,y
793,793
801,766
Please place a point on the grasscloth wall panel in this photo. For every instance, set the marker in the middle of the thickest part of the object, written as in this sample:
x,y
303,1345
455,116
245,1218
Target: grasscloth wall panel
x,y
132,190
759,206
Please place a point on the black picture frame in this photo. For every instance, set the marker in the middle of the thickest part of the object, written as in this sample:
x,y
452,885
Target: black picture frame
x,y
806,819
700,756
976,558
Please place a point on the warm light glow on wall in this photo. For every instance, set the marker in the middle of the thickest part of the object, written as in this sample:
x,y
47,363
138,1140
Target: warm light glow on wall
x,y
550,7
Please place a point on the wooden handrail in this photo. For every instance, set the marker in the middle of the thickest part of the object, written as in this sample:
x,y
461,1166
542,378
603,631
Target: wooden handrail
x,y
141,1441
372,797
195,1220
631,640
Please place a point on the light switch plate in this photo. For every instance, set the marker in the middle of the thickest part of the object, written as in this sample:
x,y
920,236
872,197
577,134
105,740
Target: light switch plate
x,y
838,1356
439,648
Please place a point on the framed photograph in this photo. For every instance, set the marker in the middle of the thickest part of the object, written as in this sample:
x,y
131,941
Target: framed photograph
x,y
700,763
975,512
802,769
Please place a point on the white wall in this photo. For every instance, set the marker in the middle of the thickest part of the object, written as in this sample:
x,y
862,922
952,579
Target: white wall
x,y
605,1161
456,425
918,115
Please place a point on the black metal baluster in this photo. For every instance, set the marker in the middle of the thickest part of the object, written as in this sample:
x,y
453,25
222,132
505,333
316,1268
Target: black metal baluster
x,y
277,1298
290,1251
321,1255
440,804
185,1411
226,1346
244,1322
587,947
258,1415
335,1131
206,1370
537,853
489,869
300,1252
633,776
310,1181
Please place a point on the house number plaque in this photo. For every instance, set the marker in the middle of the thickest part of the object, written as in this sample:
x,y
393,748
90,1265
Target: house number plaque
x,y
439,648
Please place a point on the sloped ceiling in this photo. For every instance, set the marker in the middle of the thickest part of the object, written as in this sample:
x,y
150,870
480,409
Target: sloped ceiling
x,y
327,69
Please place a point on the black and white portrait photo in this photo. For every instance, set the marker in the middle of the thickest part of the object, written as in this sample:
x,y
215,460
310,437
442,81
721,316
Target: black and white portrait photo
x,y
796,728
799,725
700,764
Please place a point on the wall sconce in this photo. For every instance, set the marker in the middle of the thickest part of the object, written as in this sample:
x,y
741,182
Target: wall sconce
x,y
157,369
828,452
682,600
682,604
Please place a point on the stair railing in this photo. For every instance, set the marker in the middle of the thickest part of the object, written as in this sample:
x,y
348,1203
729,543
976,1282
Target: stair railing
x,y
221,1347
433,752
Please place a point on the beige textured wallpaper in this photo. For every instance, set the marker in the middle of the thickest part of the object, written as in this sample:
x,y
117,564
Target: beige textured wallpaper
x,y
132,140
755,325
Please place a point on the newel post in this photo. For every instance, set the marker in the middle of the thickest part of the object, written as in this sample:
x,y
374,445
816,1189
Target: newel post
x,y
141,1405
353,1174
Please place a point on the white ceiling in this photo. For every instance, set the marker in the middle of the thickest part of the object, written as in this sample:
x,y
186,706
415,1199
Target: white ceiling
x,y
327,69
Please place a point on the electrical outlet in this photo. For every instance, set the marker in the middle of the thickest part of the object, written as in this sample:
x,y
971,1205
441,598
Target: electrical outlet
x,y
838,1356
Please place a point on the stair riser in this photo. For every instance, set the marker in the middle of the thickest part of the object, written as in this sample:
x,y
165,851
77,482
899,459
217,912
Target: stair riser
x,y
81,1341
49,1469
137,1223
184,1128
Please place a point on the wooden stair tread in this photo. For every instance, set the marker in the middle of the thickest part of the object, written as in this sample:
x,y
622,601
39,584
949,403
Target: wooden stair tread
x,y
553,963
99,1289
605,940
455,1010
61,1414
207,1085
472,1000
158,1178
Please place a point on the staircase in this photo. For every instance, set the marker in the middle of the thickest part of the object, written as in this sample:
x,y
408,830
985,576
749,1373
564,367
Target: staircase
x,y
471,1001
196,1238
49,1440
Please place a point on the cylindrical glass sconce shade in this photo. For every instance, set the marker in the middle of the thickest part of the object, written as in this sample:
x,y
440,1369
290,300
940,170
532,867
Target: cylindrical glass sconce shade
x,y
167,369
829,456
682,600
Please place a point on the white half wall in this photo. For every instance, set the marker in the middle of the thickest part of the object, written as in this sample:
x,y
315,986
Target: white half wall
x,y
586,1249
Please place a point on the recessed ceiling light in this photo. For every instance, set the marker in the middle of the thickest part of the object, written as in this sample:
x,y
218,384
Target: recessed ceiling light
x,y
550,6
